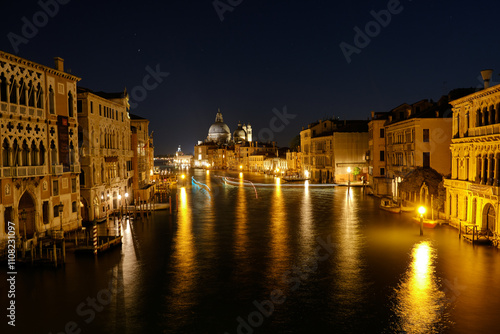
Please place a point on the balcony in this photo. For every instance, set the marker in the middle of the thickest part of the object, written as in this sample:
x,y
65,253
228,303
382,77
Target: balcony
x,y
57,169
484,130
130,173
23,171
23,110
75,169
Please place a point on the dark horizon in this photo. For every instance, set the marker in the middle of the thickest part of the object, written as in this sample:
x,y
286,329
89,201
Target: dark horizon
x,y
318,58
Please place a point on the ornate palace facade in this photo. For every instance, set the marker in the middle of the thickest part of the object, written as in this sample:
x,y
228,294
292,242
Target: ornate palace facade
x,y
39,178
473,189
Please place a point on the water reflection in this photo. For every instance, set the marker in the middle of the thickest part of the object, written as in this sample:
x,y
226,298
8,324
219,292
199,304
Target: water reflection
x,y
307,242
241,237
279,248
351,283
184,256
420,304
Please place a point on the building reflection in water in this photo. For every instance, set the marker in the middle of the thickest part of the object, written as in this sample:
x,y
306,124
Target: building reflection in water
x,y
420,304
184,257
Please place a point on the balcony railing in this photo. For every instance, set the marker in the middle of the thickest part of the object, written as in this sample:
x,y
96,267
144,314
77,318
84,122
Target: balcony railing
x,y
23,171
23,110
74,168
484,130
57,169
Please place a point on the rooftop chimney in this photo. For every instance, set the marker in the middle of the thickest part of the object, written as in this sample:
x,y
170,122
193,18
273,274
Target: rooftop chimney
x,y
486,74
59,64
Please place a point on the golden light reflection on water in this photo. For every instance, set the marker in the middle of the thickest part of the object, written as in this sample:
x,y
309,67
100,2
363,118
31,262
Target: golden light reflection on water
x,y
351,282
420,304
241,238
307,243
184,256
279,247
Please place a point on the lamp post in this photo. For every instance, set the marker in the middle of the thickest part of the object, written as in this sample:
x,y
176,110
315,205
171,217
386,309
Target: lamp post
x,y
421,211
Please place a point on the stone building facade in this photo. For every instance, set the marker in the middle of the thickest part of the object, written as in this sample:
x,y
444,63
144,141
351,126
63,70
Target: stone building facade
x,y
39,179
331,148
472,192
105,152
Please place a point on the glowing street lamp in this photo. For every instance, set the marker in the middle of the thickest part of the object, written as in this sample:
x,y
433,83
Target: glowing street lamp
x,y
241,167
421,211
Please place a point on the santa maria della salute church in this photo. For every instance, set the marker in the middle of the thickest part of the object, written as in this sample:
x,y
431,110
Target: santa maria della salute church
x,y
219,132
220,150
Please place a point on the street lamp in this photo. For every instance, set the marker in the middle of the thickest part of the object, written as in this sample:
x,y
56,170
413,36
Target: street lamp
x,y
421,210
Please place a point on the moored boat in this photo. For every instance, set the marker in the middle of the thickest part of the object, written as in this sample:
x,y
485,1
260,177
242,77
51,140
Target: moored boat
x,y
388,205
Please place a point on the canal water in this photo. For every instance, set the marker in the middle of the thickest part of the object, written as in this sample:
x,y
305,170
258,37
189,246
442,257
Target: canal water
x,y
236,259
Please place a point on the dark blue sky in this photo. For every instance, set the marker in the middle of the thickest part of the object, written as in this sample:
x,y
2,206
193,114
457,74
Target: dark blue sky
x,y
263,55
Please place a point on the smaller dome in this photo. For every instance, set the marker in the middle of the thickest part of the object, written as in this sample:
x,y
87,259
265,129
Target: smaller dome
x,y
239,135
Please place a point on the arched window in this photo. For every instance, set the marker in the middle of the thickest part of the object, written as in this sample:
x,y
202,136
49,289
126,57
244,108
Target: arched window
x,y
52,101
25,153
71,153
41,153
39,100
82,178
34,154
6,153
13,91
23,91
31,94
53,153
3,88
15,151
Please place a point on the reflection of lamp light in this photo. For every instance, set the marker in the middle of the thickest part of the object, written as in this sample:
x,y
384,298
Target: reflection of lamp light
x,y
421,211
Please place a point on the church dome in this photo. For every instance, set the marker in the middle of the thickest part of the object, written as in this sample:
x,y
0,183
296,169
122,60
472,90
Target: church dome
x,y
219,131
239,134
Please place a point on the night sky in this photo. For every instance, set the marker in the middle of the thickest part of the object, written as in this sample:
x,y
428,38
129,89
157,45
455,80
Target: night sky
x,y
263,55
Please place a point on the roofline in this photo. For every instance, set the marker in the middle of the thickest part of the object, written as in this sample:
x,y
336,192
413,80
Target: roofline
x,y
476,95
26,62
